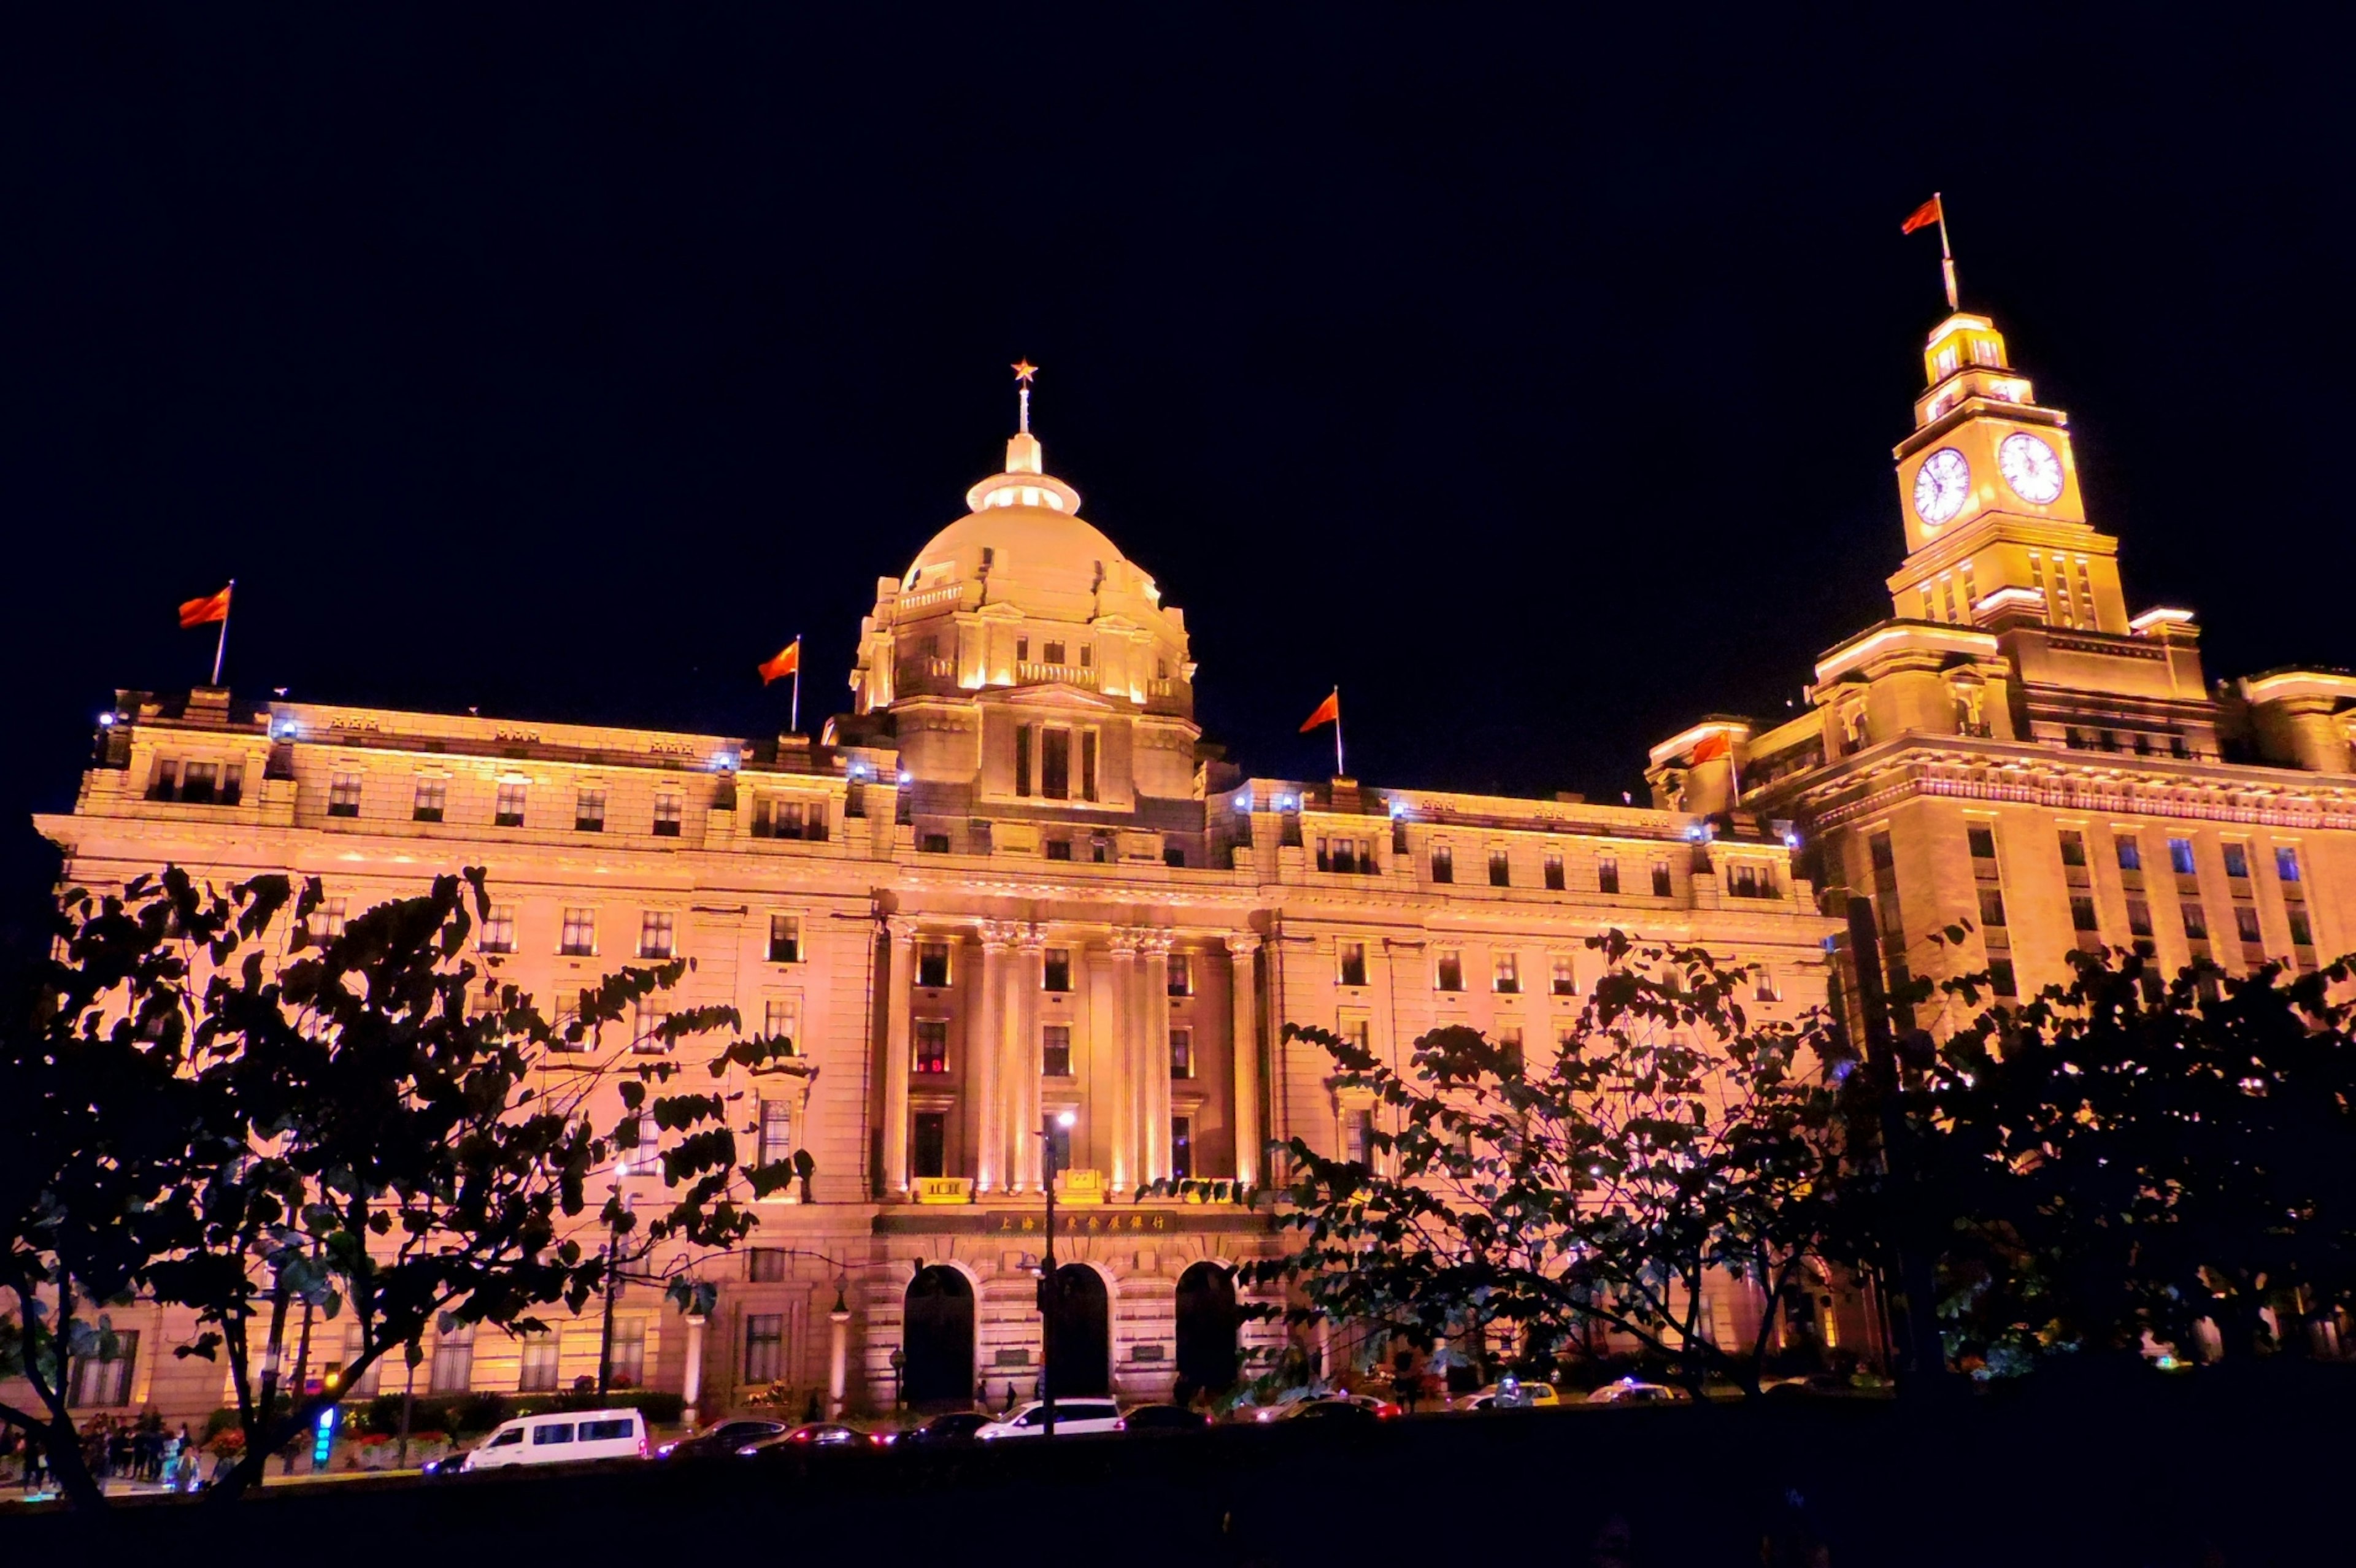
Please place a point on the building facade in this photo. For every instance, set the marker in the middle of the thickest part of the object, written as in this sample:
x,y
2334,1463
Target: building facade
x,y
2019,751
1011,882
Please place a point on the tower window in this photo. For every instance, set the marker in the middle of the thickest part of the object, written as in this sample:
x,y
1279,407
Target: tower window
x,y
1992,907
1607,873
2237,860
1661,878
2085,594
1182,1147
1056,1050
1055,764
1087,763
932,1046
933,965
1182,1053
1983,841
2081,913
1501,873
2130,852
1055,971
2074,848
1353,962
1181,975
1443,863
2180,856
2245,922
2286,863
929,1150
1554,873
1022,734
2138,917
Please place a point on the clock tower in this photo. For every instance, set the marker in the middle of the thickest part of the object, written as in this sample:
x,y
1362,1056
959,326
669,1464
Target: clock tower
x,y
1994,521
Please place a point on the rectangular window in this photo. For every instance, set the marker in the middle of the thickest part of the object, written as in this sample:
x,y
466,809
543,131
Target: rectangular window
x,y
1764,986
1051,653
2180,856
1451,970
328,920
1983,841
1566,977
453,1366
777,1141
1059,1148
2237,859
1607,874
1060,848
1877,849
106,1378
2196,921
933,965
1182,1147
580,938
1443,863
657,934
1660,879
344,796
766,1265
1507,979
781,1019
508,810
1055,970
1182,1053
930,1150
499,929
2301,934
1992,906
785,939
2074,848
538,1352
1022,742
1501,869
764,1347
2245,922
1353,962
2081,913
668,810
2130,851
589,811
364,1385
1554,873
2286,863
648,1017
2000,979
932,1045
1055,764
1358,1137
932,843
1088,764
1181,975
2138,917
433,795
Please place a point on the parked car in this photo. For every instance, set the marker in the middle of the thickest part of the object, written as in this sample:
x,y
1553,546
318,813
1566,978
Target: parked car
x,y
1812,1383
1633,1391
816,1434
1289,1410
721,1437
1355,1411
1499,1396
561,1437
957,1428
1075,1417
1162,1418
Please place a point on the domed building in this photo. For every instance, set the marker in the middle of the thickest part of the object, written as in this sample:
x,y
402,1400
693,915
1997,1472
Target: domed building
x,y
1008,903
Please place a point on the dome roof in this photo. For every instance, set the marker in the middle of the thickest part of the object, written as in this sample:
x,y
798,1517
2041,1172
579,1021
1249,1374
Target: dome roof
x,y
1028,522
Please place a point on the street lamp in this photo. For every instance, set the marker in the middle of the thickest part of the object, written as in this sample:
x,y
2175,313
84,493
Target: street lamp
x,y
1061,1121
613,1279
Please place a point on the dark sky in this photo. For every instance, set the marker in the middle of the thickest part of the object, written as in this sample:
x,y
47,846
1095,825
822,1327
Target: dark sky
x,y
1537,383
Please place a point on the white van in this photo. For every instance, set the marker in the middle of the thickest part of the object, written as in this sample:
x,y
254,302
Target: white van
x,y
1077,1417
566,1436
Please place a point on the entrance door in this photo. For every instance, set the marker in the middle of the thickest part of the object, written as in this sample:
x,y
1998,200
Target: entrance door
x,y
1207,1330
939,1339
1080,1353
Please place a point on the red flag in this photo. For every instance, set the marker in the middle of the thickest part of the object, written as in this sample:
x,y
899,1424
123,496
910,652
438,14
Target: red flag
x,y
1711,748
1922,216
206,611
1328,712
786,663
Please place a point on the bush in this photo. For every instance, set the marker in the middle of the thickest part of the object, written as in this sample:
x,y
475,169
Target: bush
x,y
479,1412
659,1409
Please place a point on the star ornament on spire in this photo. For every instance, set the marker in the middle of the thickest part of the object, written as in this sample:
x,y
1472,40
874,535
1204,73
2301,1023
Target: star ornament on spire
x,y
1024,370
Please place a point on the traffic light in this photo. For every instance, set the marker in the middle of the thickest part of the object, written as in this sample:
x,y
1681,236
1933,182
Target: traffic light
x,y
323,1437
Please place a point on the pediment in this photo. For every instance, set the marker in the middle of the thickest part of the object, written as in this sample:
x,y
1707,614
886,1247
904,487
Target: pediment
x,y
1057,698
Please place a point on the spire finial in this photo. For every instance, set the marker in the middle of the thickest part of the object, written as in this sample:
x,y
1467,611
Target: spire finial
x,y
1024,371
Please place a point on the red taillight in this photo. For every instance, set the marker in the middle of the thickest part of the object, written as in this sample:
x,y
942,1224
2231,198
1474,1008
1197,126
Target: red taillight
x,y
642,1444
1385,1410
1122,1424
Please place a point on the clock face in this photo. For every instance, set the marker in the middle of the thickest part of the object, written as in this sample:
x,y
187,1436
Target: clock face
x,y
2030,468
1940,486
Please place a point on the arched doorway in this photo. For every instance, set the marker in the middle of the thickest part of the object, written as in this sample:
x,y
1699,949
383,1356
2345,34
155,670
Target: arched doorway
x,y
1080,1357
939,1339
1207,1330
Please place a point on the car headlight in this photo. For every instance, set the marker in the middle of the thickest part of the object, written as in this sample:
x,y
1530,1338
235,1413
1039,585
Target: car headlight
x,y
748,1448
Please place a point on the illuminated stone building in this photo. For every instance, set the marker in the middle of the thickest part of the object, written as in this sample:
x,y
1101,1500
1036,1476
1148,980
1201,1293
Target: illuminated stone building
x,y
2015,749
1012,881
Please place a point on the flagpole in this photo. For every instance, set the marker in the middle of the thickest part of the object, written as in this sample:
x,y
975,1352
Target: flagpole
x,y
221,645
794,726
1339,771
1946,256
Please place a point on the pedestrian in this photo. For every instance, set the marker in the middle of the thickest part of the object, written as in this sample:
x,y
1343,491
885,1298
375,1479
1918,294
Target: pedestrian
x,y
33,1457
167,1457
184,1474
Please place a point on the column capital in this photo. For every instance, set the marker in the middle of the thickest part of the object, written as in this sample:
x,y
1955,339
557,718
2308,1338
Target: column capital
x,y
1122,941
1029,936
903,927
1243,944
1155,944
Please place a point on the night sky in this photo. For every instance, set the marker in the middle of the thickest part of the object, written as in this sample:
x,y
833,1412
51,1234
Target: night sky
x,y
1538,386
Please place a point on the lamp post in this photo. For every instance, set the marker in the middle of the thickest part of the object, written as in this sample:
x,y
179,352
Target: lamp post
x,y
1061,1121
612,1280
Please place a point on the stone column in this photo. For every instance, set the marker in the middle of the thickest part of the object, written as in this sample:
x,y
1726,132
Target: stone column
x,y
1023,1088
987,1043
1155,1056
898,1059
692,1391
1245,1037
837,1356
1120,1105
